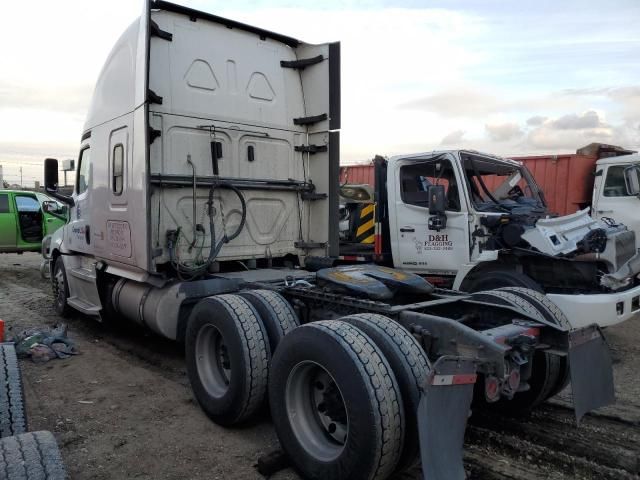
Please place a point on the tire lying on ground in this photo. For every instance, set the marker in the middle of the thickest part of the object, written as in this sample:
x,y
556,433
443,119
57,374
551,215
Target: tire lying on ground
x,y
277,315
227,354
410,367
335,403
13,419
31,456
549,372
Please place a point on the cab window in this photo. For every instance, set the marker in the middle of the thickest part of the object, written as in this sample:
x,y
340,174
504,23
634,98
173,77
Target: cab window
x,y
614,185
82,180
4,203
416,179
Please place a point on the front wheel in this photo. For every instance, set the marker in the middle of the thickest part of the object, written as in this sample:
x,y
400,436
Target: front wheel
x,y
60,288
490,279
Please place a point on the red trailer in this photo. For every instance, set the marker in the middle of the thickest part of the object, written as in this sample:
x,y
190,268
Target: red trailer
x,y
565,179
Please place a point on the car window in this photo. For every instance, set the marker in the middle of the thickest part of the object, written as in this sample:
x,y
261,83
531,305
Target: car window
x,y
27,204
82,182
4,203
614,185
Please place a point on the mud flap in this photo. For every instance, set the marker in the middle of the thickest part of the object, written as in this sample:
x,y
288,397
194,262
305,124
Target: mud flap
x,y
591,370
442,418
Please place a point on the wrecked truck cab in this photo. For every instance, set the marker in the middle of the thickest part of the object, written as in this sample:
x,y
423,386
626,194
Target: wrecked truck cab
x,y
492,229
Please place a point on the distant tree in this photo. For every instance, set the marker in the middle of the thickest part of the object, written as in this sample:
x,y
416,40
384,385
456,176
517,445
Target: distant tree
x,y
5,184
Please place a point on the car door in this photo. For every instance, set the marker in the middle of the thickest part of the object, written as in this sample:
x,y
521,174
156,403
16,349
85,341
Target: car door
x,y
29,216
417,248
8,225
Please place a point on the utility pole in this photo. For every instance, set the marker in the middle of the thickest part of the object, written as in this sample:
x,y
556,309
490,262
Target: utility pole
x,y
20,177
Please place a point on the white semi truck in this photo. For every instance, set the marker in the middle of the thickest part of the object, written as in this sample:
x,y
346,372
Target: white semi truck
x,y
473,221
205,203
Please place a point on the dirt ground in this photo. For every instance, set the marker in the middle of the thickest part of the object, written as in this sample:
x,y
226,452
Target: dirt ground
x,y
123,409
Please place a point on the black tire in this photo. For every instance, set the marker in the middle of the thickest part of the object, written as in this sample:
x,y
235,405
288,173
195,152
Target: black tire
x,y
553,314
13,417
277,315
489,279
410,367
547,370
360,396
31,456
227,355
60,288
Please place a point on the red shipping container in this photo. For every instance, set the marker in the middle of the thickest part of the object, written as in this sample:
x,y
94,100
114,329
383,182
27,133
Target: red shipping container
x,y
357,174
566,180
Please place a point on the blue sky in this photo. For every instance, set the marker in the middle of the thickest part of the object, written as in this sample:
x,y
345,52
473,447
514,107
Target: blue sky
x,y
519,77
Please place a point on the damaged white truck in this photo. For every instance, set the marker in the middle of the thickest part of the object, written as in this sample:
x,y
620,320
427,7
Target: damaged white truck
x,y
473,221
205,200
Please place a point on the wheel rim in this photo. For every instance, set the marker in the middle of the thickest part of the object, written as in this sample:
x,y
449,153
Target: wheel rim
x,y
212,361
316,411
59,287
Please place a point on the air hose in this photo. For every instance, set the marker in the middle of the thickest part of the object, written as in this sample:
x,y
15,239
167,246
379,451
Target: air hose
x,y
192,272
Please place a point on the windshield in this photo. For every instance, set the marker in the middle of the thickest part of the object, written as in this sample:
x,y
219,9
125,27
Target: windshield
x,y
497,185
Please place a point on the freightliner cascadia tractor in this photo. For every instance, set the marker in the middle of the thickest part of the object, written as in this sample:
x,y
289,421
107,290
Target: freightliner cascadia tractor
x,y
204,209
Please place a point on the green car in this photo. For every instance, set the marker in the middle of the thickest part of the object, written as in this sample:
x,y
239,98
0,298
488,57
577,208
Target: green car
x,y
26,218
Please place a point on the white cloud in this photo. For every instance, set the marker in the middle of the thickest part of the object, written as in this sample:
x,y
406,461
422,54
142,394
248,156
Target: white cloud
x,y
454,138
503,132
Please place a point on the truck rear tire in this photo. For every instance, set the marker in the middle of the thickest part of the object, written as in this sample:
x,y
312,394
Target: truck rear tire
x,y
60,288
227,355
277,315
493,278
555,315
31,456
13,418
336,404
410,367
547,369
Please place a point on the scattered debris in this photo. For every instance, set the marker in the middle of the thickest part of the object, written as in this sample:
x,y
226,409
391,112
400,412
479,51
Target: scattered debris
x,y
44,343
272,463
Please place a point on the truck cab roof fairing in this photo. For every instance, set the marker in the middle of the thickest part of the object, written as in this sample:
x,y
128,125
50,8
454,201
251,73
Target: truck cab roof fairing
x,y
113,95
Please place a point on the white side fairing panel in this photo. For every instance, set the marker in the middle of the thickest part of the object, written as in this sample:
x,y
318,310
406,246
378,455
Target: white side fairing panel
x,y
222,83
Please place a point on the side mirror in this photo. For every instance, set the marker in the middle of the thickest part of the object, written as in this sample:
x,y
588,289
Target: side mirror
x,y
437,200
51,174
50,207
51,181
632,179
437,207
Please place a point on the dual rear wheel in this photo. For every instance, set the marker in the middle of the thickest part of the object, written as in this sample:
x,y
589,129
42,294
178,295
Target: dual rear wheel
x,y
343,393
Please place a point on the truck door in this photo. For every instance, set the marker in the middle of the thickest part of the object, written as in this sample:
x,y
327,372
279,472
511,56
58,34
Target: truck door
x,y
610,199
414,246
8,225
79,229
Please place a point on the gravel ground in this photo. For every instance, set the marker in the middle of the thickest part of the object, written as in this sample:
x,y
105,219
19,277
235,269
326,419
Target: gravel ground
x,y
123,409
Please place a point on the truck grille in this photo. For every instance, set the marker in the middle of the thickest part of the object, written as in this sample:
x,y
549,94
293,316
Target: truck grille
x,y
625,243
